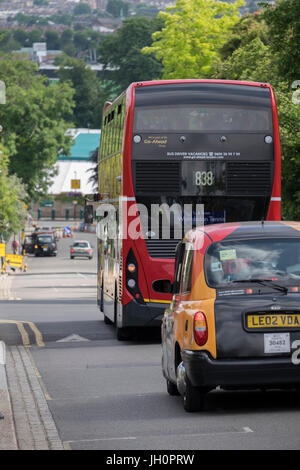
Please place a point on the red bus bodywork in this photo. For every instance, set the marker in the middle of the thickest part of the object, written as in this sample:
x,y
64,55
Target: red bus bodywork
x,y
148,312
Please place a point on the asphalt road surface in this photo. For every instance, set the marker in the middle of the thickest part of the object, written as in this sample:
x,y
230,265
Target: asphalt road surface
x,y
110,395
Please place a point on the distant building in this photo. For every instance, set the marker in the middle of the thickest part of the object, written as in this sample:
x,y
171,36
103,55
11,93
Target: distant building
x,y
76,166
39,53
66,194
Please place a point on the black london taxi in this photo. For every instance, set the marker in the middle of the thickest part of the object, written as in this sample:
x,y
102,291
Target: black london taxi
x,y
234,319
44,244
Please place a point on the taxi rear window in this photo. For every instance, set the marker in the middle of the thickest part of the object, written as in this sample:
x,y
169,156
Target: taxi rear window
x,y
245,260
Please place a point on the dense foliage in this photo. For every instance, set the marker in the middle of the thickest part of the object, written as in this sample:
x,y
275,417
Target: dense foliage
x,y
193,39
263,47
32,120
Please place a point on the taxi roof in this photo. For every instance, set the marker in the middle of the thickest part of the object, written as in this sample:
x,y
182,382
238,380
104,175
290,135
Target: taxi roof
x,y
245,230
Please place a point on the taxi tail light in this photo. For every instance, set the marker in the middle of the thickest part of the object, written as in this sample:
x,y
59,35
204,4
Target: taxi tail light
x,y
89,250
72,250
200,328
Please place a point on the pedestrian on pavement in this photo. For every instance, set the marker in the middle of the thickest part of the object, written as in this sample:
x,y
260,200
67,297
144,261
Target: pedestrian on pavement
x,y
15,246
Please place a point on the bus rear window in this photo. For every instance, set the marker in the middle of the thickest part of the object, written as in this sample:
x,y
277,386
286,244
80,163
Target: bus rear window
x,y
198,118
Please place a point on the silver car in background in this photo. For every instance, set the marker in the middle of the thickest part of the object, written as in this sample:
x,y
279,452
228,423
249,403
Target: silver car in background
x,y
81,248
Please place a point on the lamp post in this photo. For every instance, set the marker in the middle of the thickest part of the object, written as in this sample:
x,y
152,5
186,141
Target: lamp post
x,y
75,204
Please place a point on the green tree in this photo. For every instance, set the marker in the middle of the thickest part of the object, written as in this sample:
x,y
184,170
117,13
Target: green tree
x,y
12,198
284,23
35,35
289,118
249,27
249,55
193,33
82,9
88,96
67,44
33,121
117,8
121,52
41,2
20,36
52,40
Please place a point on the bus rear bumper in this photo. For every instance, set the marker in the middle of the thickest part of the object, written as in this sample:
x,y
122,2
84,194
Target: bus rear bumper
x,y
143,315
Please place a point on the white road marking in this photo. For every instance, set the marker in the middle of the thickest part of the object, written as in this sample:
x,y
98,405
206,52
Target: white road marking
x,y
244,430
72,338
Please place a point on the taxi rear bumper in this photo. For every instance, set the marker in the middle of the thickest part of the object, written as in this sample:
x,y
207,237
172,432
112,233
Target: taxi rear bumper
x,y
204,371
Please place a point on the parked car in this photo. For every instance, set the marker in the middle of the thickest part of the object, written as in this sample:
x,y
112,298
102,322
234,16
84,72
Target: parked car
x,y
28,245
234,319
44,244
81,249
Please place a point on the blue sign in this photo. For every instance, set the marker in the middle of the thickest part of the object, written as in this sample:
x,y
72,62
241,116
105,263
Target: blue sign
x,y
214,217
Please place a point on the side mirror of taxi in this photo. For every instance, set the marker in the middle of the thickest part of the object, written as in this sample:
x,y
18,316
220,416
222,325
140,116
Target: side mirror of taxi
x,y
163,286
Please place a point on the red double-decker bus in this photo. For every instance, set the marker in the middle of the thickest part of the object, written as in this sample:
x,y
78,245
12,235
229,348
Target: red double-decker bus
x,y
194,143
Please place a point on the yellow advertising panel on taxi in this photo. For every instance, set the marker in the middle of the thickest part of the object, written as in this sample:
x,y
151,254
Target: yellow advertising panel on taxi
x,y
234,319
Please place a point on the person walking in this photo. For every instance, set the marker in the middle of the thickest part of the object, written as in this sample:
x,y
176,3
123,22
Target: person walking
x,y
15,246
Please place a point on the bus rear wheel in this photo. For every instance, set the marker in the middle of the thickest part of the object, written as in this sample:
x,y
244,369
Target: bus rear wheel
x,y
122,334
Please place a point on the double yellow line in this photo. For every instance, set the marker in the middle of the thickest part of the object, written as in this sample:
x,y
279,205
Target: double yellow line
x,y
24,335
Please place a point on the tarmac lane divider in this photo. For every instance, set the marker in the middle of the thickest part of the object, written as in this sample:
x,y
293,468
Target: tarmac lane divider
x,y
24,334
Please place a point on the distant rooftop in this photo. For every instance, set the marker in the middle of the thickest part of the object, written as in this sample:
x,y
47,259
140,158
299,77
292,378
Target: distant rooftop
x,y
76,166
85,142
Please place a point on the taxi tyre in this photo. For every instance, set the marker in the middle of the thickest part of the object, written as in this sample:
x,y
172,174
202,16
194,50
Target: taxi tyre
x,y
172,388
194,398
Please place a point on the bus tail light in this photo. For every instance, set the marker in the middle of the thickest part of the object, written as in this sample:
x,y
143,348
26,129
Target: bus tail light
x,y
131,267
200,328
132,277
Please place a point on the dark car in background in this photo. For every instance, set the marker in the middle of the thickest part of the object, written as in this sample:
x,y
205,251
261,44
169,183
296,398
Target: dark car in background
x,y
28,245
45,244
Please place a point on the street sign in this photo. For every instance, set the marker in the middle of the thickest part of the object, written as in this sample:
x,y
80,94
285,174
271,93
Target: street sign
x,y
14,260
46,203
2,250
75,184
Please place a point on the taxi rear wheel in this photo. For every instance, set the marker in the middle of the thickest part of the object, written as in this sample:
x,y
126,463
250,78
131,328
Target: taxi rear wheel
x,y
172,388
194,398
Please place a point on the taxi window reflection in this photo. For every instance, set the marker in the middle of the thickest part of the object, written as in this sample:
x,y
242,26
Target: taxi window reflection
x,y
227,262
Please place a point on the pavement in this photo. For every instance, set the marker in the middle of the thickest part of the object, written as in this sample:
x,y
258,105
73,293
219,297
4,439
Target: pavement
x,y
26,422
